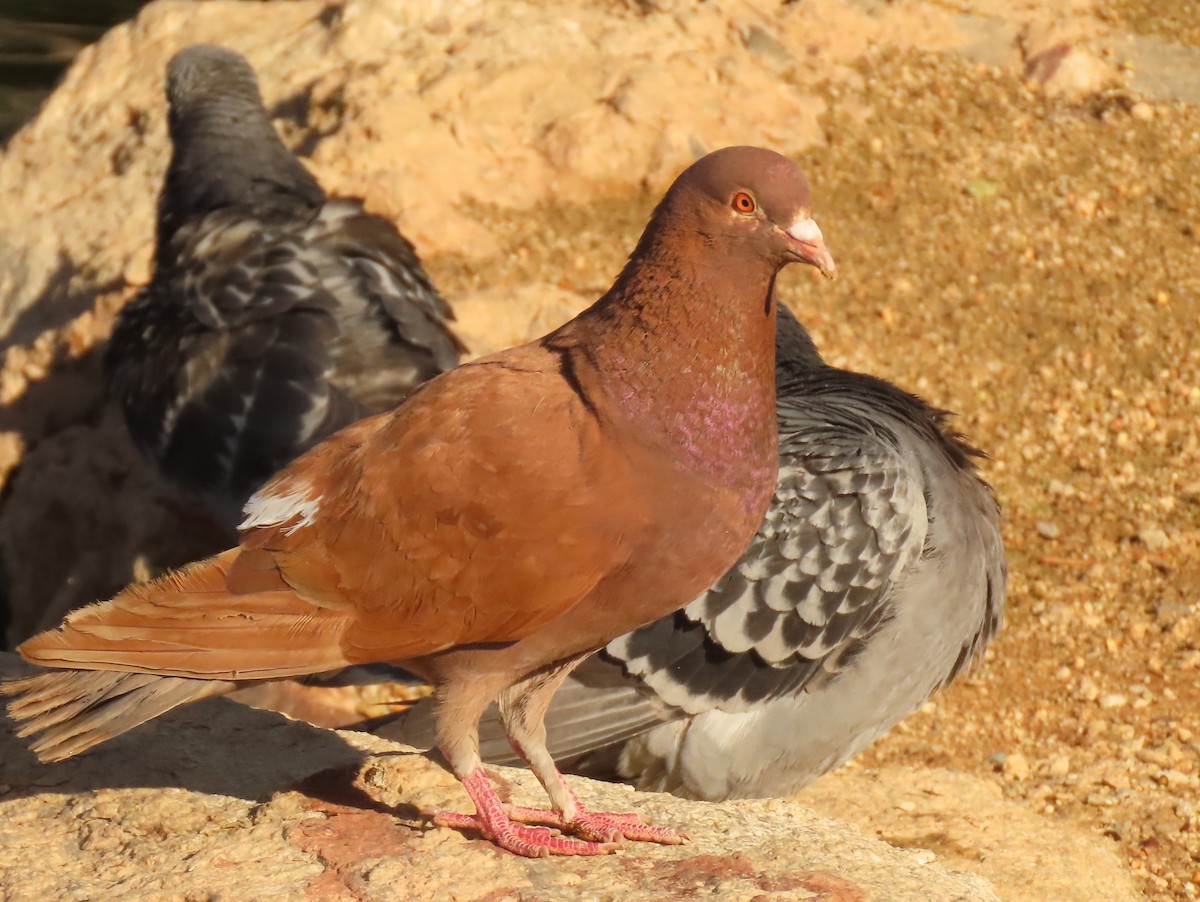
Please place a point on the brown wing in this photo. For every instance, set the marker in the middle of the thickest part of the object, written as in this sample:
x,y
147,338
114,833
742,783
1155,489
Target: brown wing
x,y
478,513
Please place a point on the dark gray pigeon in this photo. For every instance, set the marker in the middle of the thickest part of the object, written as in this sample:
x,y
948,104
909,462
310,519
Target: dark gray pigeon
x,y
876,578
276,315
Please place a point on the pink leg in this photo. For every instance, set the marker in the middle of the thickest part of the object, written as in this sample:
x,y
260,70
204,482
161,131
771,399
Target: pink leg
x,y
523,709
494,822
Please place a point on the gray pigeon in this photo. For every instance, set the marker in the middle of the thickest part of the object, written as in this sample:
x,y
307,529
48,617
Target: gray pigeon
x,y
876,578
276,315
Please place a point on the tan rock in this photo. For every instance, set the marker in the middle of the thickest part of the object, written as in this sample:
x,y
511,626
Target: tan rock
x,y
220,800
424,107
1061,55
420,107
970,825
494,319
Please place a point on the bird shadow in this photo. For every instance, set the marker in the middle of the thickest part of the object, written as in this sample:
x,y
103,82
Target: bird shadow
x,y
338,787
50,396
305,122
62,300
81,512
214,747
247,754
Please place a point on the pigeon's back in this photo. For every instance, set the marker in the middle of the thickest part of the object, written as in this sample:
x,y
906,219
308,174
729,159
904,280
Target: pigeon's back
x,y
275,316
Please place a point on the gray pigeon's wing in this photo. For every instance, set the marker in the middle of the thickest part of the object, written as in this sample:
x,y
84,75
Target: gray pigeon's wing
x,y
376,274
222,364
848,516
388,263
275,316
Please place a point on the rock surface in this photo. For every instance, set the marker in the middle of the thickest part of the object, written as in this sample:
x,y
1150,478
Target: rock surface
x,y
969,824
220,799
386,100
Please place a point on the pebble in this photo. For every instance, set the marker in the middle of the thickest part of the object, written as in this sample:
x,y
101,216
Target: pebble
x,y
1016,766
1060,766
1153,538
1113,700
1174,779
1088,690
1047,529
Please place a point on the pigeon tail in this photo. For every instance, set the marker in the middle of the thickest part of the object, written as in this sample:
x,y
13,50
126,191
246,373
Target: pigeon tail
x,y
162,644
69,711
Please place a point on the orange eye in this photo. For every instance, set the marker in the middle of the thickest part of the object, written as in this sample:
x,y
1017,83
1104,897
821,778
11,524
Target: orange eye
x,y
743,202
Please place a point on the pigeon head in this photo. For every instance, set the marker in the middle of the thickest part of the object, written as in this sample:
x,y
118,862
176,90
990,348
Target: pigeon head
x,y
754,200
225,151
204,76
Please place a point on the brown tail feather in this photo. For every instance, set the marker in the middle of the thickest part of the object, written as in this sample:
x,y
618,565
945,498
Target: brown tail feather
x,y
69,711
188,624
156,646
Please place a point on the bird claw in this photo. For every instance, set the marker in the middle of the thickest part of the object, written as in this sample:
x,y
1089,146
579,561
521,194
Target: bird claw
x,y
598,832
529,841
599,826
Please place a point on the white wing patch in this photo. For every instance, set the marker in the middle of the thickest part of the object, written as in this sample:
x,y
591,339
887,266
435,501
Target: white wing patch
x,y
268,509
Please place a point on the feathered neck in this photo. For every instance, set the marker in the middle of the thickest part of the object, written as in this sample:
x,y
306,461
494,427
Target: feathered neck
x,y
685,342
227,154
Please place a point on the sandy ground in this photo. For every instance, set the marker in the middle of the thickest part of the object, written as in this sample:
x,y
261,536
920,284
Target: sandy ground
x,y
1175,20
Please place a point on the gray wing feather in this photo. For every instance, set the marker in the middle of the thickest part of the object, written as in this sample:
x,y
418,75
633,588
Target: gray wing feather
x,y
257,339
847,519
223,368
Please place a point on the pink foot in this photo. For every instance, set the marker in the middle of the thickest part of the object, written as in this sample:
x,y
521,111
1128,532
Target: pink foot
x,y
599,826
590,824
603,828
492,820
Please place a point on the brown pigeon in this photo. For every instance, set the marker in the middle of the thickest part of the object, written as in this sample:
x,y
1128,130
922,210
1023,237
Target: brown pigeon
x,y
877,576
276,315
509,519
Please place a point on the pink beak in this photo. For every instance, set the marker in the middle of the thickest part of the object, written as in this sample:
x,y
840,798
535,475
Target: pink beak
x,y
809,245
